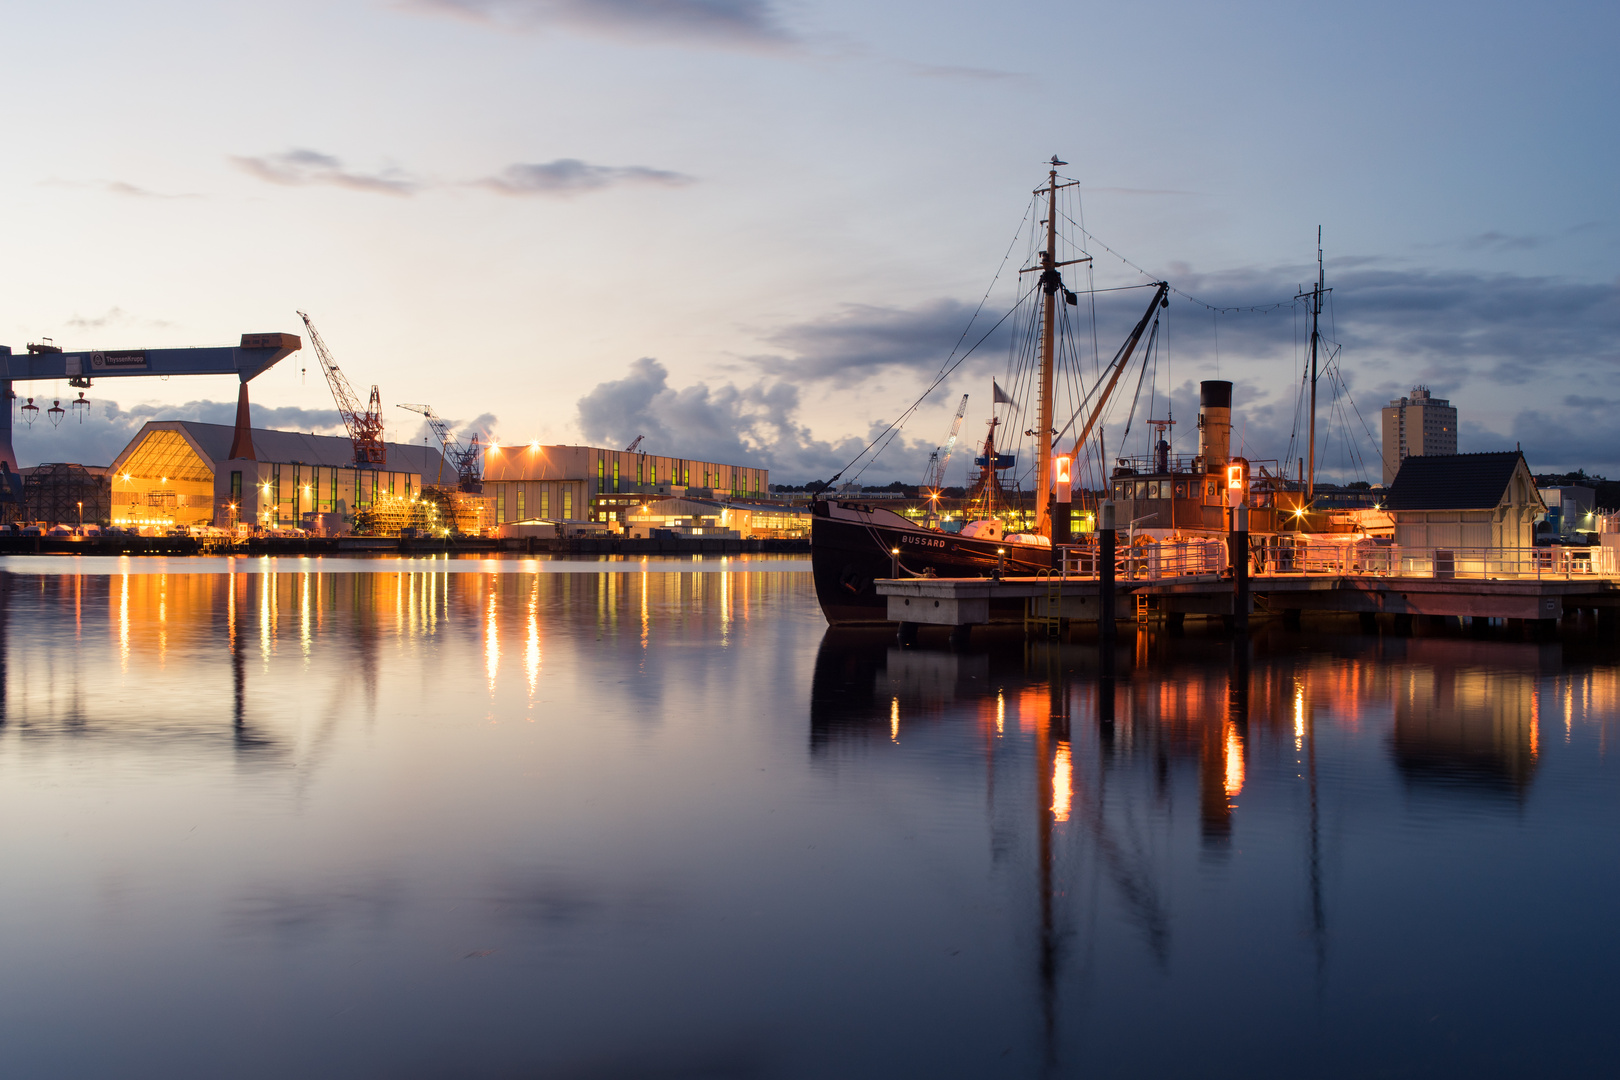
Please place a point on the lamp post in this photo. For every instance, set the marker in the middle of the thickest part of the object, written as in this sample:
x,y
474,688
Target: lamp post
x,y
81,515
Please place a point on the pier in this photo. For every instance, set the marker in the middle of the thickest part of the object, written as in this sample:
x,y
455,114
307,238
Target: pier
x,y
1172,581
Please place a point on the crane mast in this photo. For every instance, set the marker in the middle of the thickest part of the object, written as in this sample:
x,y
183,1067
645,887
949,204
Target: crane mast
x,y
365,424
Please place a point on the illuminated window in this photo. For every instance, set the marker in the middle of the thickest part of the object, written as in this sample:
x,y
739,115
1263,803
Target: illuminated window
x,y
568,503
520,493
545,500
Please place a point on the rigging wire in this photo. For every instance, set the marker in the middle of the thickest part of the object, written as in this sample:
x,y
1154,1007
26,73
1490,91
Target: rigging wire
x,y
888,433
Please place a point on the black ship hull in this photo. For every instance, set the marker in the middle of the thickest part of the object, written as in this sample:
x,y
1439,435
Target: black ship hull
x,y
851,545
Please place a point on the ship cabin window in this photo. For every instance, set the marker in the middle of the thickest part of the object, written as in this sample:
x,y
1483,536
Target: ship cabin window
x,y
1212,489
1181,489
1122,490
1151,489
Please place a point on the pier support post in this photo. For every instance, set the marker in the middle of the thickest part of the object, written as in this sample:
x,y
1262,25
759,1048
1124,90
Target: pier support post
x,y
1238,546
1105,587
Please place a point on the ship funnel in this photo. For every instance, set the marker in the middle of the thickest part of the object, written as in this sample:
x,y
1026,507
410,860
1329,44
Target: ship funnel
x,y
1214,423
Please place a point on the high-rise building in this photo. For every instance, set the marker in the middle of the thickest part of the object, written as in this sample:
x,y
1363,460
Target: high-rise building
x,y
1417,425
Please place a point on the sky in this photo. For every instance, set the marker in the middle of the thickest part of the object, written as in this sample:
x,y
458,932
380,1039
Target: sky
x,y
754,230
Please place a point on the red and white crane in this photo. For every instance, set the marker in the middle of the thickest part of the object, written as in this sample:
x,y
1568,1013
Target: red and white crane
x,y
365,425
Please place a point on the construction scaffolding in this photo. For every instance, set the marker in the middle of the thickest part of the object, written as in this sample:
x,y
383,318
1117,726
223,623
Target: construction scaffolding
x,y
438,511
64,494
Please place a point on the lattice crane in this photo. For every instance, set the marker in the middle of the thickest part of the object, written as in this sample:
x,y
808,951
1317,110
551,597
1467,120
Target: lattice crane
x,y
468,460
365,425
941,457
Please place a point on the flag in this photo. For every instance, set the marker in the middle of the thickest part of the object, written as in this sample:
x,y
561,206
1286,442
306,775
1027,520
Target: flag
x,y
998,395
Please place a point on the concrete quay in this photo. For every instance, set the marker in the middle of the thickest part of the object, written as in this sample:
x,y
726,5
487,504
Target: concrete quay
x,y
1052,601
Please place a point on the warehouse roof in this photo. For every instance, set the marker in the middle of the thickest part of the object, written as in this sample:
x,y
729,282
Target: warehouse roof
x,y
1455,481
211,443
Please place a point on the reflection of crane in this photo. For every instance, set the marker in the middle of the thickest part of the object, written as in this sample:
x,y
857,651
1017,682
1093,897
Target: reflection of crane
x,y
934,475
634,444
365,425
468,460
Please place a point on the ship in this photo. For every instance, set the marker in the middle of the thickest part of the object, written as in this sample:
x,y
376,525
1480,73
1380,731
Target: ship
x,y
854,542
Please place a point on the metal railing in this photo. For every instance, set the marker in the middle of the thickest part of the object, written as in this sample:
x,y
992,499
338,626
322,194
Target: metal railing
x,y
1206,557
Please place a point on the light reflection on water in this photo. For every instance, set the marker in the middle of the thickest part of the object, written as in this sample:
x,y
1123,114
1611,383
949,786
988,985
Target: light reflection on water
x,y
684,830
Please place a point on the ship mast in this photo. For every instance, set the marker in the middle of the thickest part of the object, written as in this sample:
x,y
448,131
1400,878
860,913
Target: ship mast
x,y
1316,314
1051,282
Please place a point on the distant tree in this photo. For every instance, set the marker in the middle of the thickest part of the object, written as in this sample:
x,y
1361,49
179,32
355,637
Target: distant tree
x,y
1359,485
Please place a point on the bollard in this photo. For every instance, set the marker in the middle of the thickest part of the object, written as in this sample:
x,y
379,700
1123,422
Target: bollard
x,y
1105,587
1238,545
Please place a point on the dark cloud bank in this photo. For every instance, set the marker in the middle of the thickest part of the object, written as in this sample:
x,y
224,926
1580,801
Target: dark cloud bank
x,y
1544,351
97,438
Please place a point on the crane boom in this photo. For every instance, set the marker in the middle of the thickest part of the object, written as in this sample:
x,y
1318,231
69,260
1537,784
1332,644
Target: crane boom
x,y
950,442
364,424
468,460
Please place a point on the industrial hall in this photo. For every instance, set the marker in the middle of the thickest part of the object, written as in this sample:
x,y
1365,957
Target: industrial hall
x,y
180,473
531,482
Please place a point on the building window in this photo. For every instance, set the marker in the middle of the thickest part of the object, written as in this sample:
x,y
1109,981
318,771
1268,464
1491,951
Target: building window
x,y
641,465
236,487
568,503
500,503
615,474
601,471
545,500
520,500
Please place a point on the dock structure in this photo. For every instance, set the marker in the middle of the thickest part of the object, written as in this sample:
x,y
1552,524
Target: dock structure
x,y
1172,581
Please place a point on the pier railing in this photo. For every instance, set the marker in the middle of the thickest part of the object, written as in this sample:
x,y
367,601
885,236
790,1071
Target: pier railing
x,y
1206,557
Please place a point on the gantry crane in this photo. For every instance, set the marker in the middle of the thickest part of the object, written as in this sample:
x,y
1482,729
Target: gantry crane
x,y
365,425
934,475
468,460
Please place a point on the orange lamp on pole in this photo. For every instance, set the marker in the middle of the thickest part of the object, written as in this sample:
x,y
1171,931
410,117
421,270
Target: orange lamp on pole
x,y
1062,477
1237,482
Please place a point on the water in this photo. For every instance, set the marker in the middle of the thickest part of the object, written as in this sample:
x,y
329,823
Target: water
x,y
645,820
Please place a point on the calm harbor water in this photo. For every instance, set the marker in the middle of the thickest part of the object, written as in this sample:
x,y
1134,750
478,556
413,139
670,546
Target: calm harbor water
x,y
368,818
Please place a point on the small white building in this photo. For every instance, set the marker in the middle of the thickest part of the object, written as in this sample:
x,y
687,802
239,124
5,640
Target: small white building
x,y
1465,501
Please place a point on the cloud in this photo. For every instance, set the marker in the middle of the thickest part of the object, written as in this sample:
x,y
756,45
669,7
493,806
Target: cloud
x,y
300,168
756,424
567,177
860,341
114,316
119,187
748,24
108,428
1495,241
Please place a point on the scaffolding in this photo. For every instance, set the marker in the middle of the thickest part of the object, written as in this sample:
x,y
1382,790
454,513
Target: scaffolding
x,y
64,494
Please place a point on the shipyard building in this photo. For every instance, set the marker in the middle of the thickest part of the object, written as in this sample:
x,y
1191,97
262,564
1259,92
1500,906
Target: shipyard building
x,y
181,473
588,484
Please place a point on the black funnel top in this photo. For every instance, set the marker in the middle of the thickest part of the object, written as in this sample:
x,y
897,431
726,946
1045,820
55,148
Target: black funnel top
x,y
1215,394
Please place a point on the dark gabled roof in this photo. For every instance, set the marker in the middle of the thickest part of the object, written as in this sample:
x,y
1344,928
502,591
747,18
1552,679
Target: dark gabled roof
x,y
1453,481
